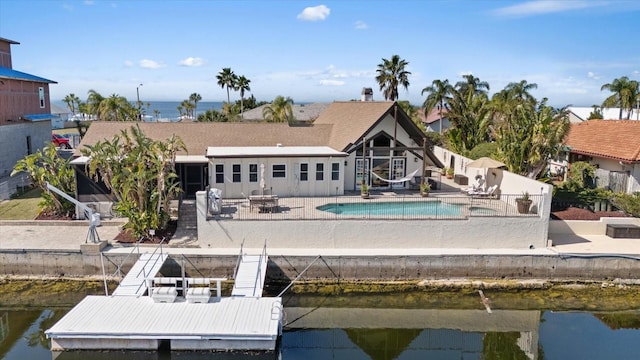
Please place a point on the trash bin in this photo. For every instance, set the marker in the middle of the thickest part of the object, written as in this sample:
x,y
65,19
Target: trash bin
x,y
215,201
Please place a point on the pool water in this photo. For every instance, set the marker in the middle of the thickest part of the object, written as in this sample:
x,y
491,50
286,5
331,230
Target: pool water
x,y
408,208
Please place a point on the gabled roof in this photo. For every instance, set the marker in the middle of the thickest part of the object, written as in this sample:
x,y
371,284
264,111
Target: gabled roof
x,y
198,136
613,139
434,115
8,73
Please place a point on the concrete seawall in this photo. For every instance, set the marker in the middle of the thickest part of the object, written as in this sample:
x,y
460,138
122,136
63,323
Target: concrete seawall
x,y
284,267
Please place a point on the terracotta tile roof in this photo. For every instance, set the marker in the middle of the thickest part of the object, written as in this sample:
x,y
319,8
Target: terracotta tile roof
x,y
198,136
434,115
351,120
614,139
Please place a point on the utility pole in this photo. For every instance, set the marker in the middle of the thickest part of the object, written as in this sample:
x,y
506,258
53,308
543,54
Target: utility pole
x,y
138,103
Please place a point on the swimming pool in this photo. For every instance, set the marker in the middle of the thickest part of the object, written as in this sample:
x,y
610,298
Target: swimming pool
x,y
407,208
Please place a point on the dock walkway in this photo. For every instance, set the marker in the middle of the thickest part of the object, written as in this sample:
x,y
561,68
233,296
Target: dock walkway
x,y
250,276
147,266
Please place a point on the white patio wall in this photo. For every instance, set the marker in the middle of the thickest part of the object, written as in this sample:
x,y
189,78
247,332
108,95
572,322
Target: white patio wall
x,y
475,233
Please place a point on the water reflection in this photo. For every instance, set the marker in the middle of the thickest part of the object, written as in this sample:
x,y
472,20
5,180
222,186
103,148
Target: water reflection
x,y
381,334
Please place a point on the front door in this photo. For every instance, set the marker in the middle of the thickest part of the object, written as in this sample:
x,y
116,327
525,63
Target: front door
x,y
194,177
397,171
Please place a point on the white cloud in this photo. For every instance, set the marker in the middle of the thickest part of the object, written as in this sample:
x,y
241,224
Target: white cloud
x,y
67,7
192,62
331,82
315,13
361,25
89,2
150,64
538,7
593,75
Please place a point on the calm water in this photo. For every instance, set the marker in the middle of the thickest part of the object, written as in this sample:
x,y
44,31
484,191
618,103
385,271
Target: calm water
x,y
356,333
168,109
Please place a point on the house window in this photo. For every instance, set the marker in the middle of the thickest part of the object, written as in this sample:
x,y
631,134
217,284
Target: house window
x,y
304,172
253,173
237,173
279,171
335,171
319,171
41,95
219,173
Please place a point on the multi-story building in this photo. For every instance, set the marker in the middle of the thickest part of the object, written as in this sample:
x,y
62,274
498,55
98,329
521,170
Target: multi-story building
x,y
25,111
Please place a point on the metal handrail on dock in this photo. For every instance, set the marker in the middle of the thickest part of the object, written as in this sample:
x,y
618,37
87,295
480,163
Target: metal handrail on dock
x,y
258,279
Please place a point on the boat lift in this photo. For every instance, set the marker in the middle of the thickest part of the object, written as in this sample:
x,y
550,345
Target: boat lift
x,y
92,216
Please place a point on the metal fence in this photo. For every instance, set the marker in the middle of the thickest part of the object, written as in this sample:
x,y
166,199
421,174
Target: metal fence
x,y
379,207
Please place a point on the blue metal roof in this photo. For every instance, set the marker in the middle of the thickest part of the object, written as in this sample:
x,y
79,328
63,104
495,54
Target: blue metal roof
x,y
18,75
39,117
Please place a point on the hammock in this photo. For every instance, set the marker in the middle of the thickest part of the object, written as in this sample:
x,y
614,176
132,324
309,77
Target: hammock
x,y
406,178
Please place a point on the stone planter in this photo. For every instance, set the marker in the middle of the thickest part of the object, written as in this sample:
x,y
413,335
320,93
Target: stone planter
x,y
523,206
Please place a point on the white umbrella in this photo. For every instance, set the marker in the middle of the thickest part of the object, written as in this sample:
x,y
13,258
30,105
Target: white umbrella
x,y
485,163
262,184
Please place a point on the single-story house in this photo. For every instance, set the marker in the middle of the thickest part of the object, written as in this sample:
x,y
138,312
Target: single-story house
x,y
325,158
613,146
578,114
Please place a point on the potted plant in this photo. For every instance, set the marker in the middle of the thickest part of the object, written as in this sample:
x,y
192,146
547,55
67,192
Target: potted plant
x,y
424,189
449,173
524,203
443,171
364,191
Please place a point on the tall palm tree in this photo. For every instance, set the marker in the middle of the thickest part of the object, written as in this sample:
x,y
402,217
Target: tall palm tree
x,y
116,108
73,102
280,110
242,86
195,99
520,91
625,94
391,74
472,85
439,93
226,78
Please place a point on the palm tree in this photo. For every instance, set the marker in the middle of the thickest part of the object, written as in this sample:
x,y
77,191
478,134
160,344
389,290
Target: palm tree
x,y
116,108
472,85
242,85
391,74
625,94
73,102
280,110
439,93
520,91
195,98
93,103
226,78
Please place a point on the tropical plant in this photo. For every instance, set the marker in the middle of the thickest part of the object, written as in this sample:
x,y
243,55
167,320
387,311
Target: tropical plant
x,y
140,172
195,98
530,135
425,187
438,94
625,94
487,149
94,99
213,116
46,166
596,114
391,74
242,85
117,108
582,174
226,78
629,203
470,117
73,102
280,110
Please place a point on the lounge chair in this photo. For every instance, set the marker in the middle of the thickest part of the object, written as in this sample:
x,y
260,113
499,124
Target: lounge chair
x,y
489,193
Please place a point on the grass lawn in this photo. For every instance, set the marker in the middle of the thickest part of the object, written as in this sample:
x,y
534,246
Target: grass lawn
x,y
24,207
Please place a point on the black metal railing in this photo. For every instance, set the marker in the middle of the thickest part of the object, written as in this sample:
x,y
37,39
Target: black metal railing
x,y
383,207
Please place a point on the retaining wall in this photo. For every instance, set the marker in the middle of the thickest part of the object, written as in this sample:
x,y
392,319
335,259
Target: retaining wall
x,y
284,268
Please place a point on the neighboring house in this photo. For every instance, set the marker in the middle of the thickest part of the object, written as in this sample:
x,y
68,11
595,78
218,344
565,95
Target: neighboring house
x,y
433,122
60,115
579,114
25,112
304,113
322,159
613,146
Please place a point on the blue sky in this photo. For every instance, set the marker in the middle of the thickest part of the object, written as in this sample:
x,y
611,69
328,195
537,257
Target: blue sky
x,y
322,50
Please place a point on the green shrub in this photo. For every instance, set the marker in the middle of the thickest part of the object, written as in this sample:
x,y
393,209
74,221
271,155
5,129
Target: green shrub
x,y
630,204
484,149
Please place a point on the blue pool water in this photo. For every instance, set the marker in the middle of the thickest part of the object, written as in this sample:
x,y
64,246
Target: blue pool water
x,y
408,208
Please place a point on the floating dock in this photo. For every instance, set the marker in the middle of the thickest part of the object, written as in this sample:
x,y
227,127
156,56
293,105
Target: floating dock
x,y
147,312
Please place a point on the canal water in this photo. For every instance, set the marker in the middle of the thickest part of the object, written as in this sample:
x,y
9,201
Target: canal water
x,y
517,325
